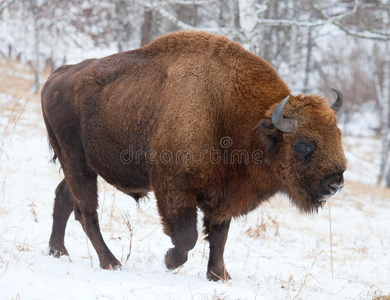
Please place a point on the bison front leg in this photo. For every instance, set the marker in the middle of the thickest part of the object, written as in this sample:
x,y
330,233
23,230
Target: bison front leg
x,y
217,236
178,216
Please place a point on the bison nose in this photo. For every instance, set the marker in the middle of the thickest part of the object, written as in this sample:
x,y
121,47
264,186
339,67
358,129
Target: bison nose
x,y
334,189
330,185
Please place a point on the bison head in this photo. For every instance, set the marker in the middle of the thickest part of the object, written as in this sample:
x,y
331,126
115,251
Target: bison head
x,y
304,149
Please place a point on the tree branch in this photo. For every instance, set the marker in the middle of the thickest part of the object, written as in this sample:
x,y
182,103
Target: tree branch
x,y
158,6
327,20
191,2
155,5
359,34
365,34
4,4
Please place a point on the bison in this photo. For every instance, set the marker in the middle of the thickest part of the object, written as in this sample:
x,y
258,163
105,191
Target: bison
x,y
129,116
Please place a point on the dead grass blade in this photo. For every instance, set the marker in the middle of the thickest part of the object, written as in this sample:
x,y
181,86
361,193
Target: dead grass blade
x,y
13,119
130,228
331,241
9,260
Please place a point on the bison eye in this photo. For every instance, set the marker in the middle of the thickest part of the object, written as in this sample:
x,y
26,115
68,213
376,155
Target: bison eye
x,y
305,147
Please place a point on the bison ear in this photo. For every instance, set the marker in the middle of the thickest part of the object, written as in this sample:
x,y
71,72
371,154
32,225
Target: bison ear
x,y
271,134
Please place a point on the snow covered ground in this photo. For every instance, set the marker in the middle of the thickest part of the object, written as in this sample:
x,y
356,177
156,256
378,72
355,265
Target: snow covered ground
x,y
273,253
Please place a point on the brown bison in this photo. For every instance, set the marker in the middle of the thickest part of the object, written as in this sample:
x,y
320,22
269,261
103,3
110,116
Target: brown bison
x,y
199,121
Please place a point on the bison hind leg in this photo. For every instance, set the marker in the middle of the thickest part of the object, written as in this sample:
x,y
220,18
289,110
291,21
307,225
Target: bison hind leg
x,y
63,207
83,184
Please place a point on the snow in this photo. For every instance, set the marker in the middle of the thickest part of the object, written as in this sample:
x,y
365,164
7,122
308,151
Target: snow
x,y
363,155
273,253
363,122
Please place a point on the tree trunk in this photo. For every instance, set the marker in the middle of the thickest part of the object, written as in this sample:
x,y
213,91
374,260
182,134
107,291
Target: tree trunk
x,y
118,24
53,32
247,17
309,47
385,163
34,11
147,27
235,13
5,4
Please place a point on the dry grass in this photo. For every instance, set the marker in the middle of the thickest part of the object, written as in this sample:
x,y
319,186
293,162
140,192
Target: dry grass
x,y
378,295
34,213
15,113
330,240
112,209
257,231
308,276
9,260
14,77
104,184
13,110
220,296
130,228
260,229
88,251
383,297
18,79
375,191
3,182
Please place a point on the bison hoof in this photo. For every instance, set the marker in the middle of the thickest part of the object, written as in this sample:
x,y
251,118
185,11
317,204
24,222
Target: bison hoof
x,y
58,251
175,258
218,274
112,264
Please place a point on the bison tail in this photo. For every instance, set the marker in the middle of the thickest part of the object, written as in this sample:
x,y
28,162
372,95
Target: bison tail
x,y
53,145
52,140
55,157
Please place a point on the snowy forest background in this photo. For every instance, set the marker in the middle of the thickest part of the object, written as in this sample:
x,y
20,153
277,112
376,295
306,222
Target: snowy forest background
x,y
314,45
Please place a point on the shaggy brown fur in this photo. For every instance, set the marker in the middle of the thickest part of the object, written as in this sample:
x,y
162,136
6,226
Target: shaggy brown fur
x,y
186,91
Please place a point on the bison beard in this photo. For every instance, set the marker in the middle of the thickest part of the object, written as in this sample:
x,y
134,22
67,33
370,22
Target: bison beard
x,y
186,91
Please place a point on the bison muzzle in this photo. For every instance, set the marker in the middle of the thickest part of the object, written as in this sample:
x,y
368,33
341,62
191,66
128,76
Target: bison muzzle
x,y
210,126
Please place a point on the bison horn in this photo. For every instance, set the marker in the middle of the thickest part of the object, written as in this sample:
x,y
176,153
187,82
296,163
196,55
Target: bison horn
x,y
336,106
286,125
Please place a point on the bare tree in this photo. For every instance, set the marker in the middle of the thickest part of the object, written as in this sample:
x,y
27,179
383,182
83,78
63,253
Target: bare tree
x,y
125,23
146,31
4,4
383,94
373,24
35,15
309,48
119,6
